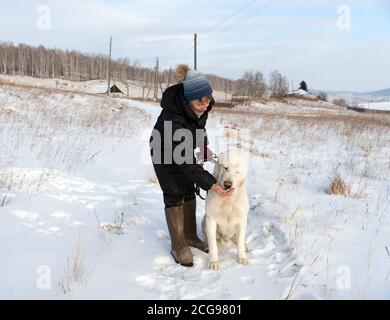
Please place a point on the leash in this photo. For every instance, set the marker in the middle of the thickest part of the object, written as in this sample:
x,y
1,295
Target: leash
x,y
213,159
197,192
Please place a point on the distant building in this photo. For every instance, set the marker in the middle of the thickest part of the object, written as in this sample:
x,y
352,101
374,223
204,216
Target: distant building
x,y
120,89
239,97
301,93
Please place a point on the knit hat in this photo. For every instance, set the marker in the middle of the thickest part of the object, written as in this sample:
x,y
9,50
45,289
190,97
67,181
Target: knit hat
x,y
196,86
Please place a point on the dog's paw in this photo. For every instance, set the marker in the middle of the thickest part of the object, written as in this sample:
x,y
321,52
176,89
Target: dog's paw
x,y
214,265
243,261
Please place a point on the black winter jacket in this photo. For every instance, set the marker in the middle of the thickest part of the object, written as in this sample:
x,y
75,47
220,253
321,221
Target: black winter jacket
x,y
179,179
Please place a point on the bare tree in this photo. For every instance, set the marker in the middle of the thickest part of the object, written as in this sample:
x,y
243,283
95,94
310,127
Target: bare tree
x,y
340,102
278,84
253,84
322,96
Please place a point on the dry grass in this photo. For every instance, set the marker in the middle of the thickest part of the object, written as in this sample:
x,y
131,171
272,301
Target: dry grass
x,y
345,135
352,149
115,227
9,84
339,187
61,129
19,180
5,187
355,119
74,271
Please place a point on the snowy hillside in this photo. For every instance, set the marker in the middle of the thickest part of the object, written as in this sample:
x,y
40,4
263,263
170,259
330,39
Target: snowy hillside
x,y
136,88
81,214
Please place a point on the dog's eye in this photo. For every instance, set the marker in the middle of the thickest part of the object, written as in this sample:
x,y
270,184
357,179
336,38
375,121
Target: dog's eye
x,y
226,168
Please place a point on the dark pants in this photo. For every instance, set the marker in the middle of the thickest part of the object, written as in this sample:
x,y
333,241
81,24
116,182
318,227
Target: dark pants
x,y
173,200
175,185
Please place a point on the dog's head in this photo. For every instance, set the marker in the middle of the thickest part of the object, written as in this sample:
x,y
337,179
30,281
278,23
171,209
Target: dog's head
x,y
231,169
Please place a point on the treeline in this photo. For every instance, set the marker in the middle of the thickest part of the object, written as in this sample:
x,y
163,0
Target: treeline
x,y
40,62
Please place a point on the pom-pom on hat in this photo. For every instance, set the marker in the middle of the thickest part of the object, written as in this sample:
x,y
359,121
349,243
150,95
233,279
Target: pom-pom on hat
x,y
196,85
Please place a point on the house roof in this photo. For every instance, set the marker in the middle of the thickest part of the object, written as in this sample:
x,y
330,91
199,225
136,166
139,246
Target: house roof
x,y
120,85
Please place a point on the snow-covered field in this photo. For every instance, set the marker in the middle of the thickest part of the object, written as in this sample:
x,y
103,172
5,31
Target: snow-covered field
x,y
81,214
294,106
135,88
385,105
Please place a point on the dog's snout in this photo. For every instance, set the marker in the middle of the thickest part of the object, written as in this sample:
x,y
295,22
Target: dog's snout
x,y
227,185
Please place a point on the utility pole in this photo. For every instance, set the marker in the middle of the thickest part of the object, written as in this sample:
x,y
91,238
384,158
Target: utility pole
x,y
225,90
195,49
156,80
169,76
292,84
109,68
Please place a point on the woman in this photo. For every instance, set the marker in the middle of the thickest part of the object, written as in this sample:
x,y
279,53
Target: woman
x,y
185,108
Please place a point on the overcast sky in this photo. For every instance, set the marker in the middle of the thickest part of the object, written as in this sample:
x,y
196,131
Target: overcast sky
x,y
302,39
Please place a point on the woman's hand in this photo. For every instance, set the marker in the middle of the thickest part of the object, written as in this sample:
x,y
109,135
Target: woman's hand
x,y
221,191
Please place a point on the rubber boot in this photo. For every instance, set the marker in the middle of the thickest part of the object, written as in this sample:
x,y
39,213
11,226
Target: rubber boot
x,y
179,248
191,237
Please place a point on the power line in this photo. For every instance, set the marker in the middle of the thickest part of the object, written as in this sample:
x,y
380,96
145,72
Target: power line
x,y
263,8
206,33
190,46
265,5
227,18
183,50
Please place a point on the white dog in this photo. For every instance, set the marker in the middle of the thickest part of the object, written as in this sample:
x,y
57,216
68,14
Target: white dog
x,y
226,217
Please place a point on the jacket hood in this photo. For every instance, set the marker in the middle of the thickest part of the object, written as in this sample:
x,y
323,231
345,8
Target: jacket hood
x,y
173,101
